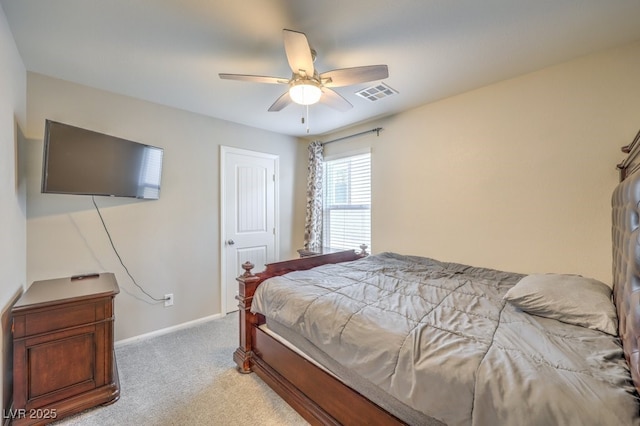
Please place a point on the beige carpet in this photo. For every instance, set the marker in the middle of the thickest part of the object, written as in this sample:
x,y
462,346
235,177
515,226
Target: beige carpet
x,y
188,377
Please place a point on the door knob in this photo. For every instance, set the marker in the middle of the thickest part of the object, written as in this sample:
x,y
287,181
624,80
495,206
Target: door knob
x,y
231,242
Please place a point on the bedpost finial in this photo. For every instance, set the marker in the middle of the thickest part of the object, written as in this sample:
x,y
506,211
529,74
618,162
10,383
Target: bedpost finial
x,y
247,266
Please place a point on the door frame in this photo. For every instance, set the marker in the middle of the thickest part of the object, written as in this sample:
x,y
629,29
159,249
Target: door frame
x,y
224,150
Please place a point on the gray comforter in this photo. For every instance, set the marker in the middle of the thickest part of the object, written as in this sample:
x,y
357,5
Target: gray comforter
x,y
439,338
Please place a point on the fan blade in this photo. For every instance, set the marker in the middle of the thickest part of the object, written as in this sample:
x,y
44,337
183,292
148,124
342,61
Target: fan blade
x,y
255,78
299,55
335,100
281,102
355,75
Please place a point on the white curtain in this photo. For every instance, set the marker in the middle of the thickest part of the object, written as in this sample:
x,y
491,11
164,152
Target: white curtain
x,y
313,222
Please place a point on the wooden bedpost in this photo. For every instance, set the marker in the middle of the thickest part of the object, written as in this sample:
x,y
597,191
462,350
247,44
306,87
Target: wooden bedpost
x,y
248,284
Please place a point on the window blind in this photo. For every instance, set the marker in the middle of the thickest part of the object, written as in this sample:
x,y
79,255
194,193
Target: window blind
x,y
347,202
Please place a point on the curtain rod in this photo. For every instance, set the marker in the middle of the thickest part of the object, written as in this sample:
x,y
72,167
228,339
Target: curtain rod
x,y
377,130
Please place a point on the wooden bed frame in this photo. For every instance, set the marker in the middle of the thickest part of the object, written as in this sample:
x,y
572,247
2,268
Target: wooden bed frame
x,y
324,400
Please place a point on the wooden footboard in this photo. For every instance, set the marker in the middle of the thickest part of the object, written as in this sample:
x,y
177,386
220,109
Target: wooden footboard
x,y
317,395
249,282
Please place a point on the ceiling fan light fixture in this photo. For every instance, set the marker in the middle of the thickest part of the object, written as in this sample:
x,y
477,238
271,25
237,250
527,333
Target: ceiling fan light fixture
x,y
305,92
306,85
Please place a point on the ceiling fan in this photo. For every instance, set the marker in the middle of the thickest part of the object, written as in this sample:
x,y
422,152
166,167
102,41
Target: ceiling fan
x,y
306,85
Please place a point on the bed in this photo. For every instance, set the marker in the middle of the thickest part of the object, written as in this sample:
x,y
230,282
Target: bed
x,y
352,338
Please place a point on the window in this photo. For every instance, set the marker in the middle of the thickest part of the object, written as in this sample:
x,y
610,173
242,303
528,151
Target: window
x,y
346,213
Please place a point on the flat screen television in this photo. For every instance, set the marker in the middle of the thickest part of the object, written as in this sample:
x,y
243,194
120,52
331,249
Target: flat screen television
x,y
84,162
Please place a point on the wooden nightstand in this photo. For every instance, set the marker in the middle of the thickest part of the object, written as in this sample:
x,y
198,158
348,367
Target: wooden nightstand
x,y
63,357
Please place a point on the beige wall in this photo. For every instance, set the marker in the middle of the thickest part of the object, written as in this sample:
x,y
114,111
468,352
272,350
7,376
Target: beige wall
x,y
170,245
516,175
12,190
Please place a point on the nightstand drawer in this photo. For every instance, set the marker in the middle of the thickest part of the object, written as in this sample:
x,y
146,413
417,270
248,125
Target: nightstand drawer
x,y
56,319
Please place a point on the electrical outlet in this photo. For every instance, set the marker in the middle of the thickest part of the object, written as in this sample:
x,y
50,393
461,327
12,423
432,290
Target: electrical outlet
x,y
168,299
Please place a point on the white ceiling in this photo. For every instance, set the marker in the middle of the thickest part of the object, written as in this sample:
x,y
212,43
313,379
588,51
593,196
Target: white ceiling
x,y
171,51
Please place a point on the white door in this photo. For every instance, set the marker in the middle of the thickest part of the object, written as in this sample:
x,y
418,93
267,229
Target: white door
x,y
248,215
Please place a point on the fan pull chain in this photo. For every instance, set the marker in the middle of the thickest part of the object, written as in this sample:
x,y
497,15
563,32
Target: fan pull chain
x,y
304,120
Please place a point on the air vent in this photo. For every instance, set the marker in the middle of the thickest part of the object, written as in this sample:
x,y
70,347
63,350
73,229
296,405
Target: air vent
x,y
377,92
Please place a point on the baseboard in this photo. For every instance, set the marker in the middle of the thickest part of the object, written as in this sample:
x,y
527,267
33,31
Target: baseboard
x,y
167,330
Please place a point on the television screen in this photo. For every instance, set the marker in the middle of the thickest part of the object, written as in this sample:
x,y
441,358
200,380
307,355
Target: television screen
x,y
83,162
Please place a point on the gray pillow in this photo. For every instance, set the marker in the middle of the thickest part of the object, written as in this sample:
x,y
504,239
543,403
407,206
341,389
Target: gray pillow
x,y
568,298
